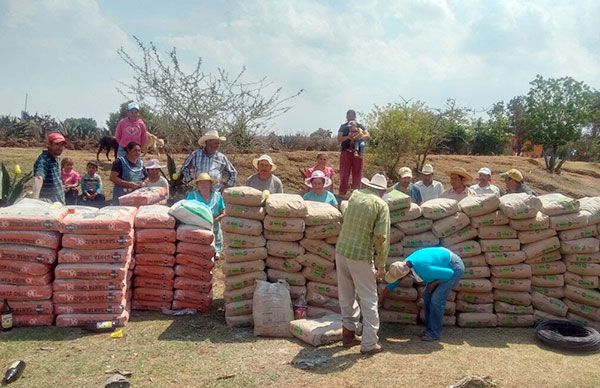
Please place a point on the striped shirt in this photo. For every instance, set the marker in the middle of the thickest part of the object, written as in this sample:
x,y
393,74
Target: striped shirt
x,y
91,184
48,167
366,218
215,165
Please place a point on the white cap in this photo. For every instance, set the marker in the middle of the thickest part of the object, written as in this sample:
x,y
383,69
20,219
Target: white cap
x,y
427,169
485,170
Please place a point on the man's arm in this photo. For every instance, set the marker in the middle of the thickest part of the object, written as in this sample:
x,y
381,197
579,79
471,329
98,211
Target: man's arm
x,y
38,181
232,173
340,136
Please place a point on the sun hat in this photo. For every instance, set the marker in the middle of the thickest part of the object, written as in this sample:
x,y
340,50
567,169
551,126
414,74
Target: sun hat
x,y
210,135
427,169
318,174
397,270
56,137
485,170
203,177
514,174
132,105
378,182
152,164
404,172
461,172
264,157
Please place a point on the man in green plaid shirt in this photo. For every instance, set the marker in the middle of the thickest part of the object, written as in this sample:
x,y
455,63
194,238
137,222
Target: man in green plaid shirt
x,y
366,228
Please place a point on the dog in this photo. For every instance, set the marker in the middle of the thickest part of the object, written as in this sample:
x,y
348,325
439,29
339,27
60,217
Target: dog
x,y
154,144
107,143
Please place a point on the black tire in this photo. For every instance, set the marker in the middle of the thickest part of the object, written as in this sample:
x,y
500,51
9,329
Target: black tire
x,y
567,335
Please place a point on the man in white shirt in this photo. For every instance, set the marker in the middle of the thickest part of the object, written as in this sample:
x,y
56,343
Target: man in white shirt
x,y
484,186
429,188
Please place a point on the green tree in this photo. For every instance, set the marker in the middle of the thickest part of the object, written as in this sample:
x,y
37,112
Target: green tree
x,y
80,128
516,110
492,135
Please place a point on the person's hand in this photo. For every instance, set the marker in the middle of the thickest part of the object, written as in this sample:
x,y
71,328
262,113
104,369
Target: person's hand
x,y
92,196
380,273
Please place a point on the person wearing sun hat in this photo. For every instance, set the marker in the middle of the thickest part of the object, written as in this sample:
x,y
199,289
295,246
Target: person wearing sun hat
x,y
428,187
206,193
440,270
155,179
317,183
406,186
484,185
514,181
362,246
264,178
131,128
459,179
46,170
208,159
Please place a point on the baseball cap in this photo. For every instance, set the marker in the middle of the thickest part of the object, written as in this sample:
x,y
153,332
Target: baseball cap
x,y
404,172
484,170
132,105
427,169
56,137
514,174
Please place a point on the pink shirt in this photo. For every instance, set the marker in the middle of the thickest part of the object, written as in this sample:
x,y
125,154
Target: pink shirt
x,y
70,178
128,131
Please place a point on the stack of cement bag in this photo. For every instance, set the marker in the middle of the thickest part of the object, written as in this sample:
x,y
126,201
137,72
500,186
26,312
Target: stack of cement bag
x,y
92,279
155,238
29,240
244,252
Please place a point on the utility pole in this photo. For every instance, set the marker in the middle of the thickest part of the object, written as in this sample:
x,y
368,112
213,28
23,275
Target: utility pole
x,y
26,97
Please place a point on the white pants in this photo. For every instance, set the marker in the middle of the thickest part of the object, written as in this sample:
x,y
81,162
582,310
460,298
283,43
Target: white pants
x,y
357,278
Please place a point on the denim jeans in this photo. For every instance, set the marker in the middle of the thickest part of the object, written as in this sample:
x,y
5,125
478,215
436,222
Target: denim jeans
x,y
435,303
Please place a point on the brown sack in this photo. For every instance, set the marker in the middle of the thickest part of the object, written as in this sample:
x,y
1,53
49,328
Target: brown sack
x,y
476,320
438,208
451,224
272,309
319,331
529,236
477,205
494,218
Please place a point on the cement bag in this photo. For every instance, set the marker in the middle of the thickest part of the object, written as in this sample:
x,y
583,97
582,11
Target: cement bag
x,y
548,280
585,310
507,308
243,307
520,205
281,224
401,306
287,265
241,226
194,234
100,297
505,258
490,219
583,257
239,294
529,236
396,199
477,205
343,207
154,294
154,216
513,297
438,208
183,283
91,271
206,252
242,281
32,214
194,273
17,252
556,204
591,205
402,293
167,248
404,318
396,235
47,239
239,320
418,225
315,262
242,211
97,241
549,305
244,254
421,291
497,232
70,320
317,312
316,299
194,261
410,213
283,236
541,247
582,295
584,281
474,261
285,249
476,272
36,307
320,248
318,331
545,257
540,316
515,320
143,282
320,232
575,234
474,285
466,248
466,307
147,305
476,320
449,225
396,250
464,234
293,279
25,268
20,279
476,297
583,245
192,212
405,282
88,284
569,221
235,240
243,195
153,271
155,235
584,269
328,277
319,213
272,309
107,220
238,268
322,289
514,271
25,293
286,206
144,196
425,239
540,221
552,268
511,284
500,245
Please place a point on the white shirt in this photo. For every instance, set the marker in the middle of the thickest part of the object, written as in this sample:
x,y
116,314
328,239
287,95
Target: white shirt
x,y
453,194
490,189
433,191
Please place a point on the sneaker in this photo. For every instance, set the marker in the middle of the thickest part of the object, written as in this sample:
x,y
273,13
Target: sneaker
x,y
376,349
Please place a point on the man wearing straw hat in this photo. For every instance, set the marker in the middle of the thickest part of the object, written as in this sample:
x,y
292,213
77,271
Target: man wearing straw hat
x,y
209,160
264,178
459,179
429,188
362,248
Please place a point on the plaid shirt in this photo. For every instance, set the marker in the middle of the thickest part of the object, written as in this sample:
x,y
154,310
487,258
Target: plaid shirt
x,y
48,168
366,217
217,163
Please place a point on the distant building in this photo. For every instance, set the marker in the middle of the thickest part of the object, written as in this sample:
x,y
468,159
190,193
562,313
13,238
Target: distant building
x,y
529,149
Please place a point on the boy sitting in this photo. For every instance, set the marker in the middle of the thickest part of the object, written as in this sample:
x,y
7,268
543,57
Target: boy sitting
x,y
91,187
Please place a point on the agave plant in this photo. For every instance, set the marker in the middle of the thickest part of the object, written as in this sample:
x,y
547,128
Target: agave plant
x,y
177,188
11,190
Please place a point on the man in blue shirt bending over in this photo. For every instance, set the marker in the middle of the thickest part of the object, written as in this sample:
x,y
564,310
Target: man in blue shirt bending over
x,y
440,270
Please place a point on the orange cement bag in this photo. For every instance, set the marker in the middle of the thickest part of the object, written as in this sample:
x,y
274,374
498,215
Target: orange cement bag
x,y
155,259
541,247
193,261
240,294
464,234
497,232
165,248
411,213
320,232
34,307
438,208
476,272
190,284
196,297
549,305
154,217
293,279
548,280
513,297
282,236
244,195
466,248
91,271
507,308
47,239
281,224
287,265
555,204
150,305
513,271
97,241
241,226
149,282
238,268
23,293
192,272
89,308
244,254
418,225
575,234
155,294
285,205
205,252
244,280
32,214
101,297
286,249
144,196
194,234
500,245
520,205
25,279
583,245
490,219
569,221
107,220
24,267
451,224
66,320
584,281
474,261
69,255
425,239
477,205
33,320
476,320
153,271
242,211
14,252
466,307
202,304
508,284
235,240
529,236
505,258
551,268
319,213
319,247
545,257
155,235
317,263
476,297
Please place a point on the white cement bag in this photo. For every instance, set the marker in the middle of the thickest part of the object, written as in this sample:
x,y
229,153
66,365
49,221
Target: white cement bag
x,y
286,206
585,310
315,262
236,240
410,213
513,297
319,247
477,205
244,254
490,219
583,281
507,308
553,292
286,265
582,295
272,309
515,320
497,232
591,205
476,272
425,239
475,297
320,213
529,236
244,280
569,221
243,195
523,285
449,225
512,271
539,221
545,257
466,307
438,208
584,269
551,268
474,285
548,280
549,305
583,257
464,234
520,205
230,269
293,279
192,213
319,331
474,261
555,204
396,199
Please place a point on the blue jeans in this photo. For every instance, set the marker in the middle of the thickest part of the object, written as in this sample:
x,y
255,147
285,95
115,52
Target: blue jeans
x,y
435,303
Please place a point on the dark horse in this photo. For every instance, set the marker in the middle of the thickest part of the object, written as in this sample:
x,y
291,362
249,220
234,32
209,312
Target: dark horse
x,y
107,143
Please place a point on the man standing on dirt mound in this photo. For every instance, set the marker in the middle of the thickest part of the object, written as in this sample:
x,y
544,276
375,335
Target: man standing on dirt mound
x,y
46,170
350,164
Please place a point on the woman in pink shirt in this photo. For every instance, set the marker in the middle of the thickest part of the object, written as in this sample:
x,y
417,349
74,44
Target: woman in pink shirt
x,y
70,179
322,166
131,128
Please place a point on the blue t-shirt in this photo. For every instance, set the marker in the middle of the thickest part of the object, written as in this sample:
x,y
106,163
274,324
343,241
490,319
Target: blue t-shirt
x,y
326,197
430,264
215,203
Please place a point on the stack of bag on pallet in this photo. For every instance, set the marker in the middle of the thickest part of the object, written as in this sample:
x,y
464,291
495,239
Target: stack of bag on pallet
x,y
29,240
155,238
95,266
244,252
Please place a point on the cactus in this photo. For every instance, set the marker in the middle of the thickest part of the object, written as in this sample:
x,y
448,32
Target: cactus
x,y
11,190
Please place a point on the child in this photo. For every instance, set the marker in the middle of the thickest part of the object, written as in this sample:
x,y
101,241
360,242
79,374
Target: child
x,y
91,187
205,193
70,179
155,179
357,143
322,165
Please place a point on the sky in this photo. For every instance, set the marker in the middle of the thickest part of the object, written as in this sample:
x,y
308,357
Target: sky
x,y
343,54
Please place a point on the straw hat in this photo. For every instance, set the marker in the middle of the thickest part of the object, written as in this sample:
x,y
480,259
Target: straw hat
x,y
152,164
514,174
397,270
460,172
405,172
264,157
378,182
318,174
210,135
203,177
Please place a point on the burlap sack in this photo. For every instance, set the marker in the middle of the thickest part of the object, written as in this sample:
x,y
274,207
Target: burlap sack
x,y
272,309
529,236
236,240
451,224
418,225
425,239
575,234
583,257
315,262
591,205
549,305
240,321
396,235
466,248
476,320
505,258
241,226
316,299
513,271
243,195
320,213
548,280
474,285
511,284
327,277
280,224
243,307
282,264
321,232
244,254
569,221
397,317
466,307
318,331
319,247
397,200
410,213
476,297
474,261
438,208
396,250
590,282
507,308
583,245
323,289
239,294
555,204
500,245
519,206
242,211
476,272
230,269
545,257
283,236
464,234
293,279
585,310
541,247
401,306
551,268
477,205
539,221
286,206
513,297
515,320
584,269
243,281
553,292
490,219
286,249
582,295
